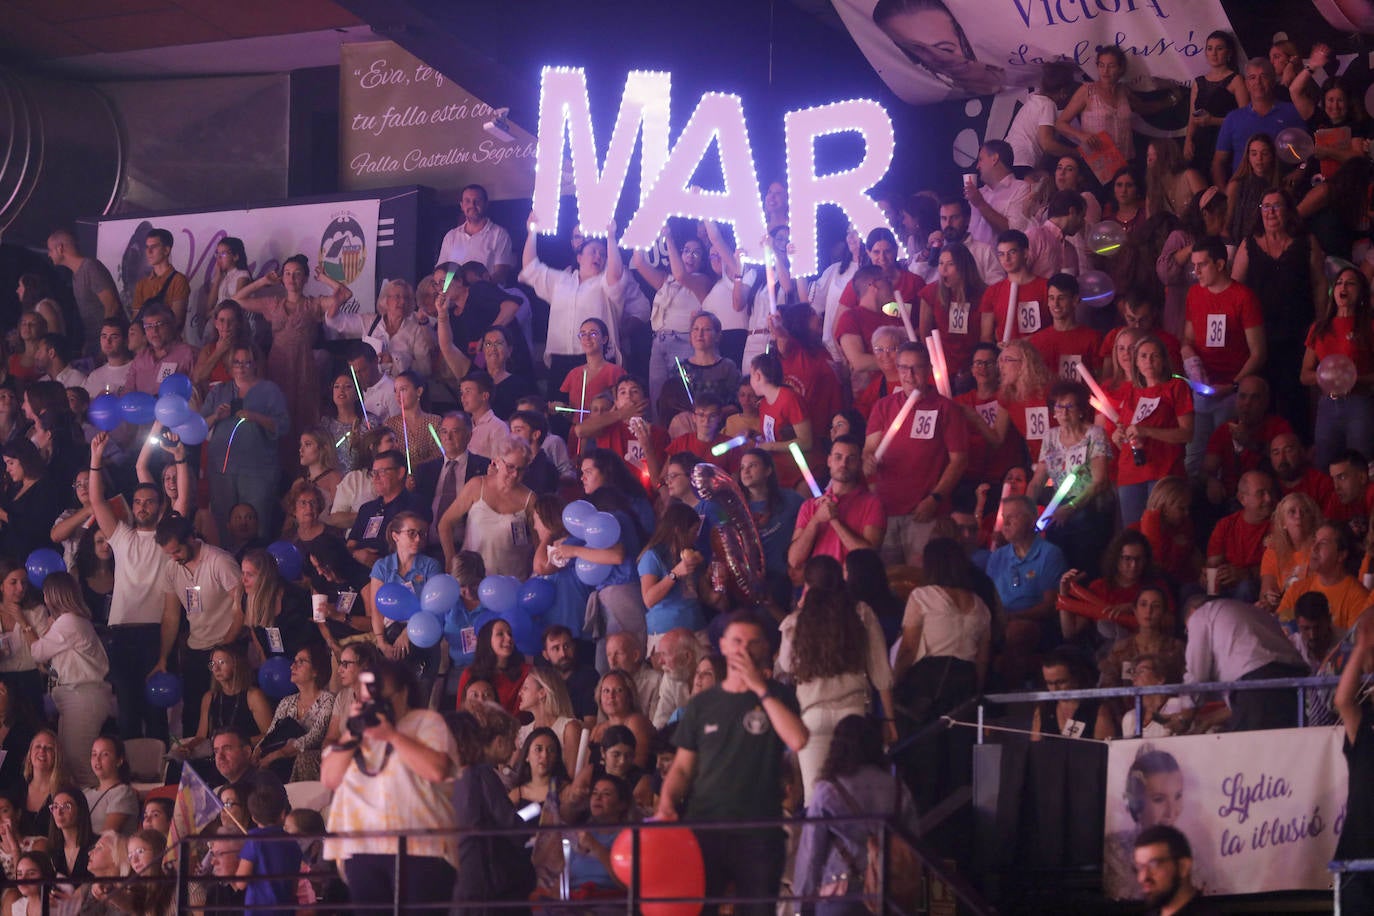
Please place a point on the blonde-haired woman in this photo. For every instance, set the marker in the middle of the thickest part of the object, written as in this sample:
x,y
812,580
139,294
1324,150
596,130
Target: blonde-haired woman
x,y
232,700
320,463
109,859
1021,397
44,773
76,656
1291,530
270,603
545,696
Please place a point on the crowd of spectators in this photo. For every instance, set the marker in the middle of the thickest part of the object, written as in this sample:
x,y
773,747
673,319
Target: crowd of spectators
x,y
1075,487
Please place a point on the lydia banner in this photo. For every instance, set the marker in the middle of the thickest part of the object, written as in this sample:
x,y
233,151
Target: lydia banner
x,y
929,50
341,236
1262,810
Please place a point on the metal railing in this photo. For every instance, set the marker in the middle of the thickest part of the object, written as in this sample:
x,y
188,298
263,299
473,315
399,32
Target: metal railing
x,y
1341,868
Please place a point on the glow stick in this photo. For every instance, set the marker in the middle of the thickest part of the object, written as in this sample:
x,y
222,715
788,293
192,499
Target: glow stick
x,y
1006,491
405,435
906,317
1104,403
805,469
896,425
342,440
362,407
447,280
1059,495
720,448
232,433
582,402
563,408
583,751
1201,388
434,434
1104,409
937,350
1012,299
685,383
770,276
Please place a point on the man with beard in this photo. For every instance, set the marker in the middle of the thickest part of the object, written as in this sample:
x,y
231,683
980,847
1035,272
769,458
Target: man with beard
x,y
560,651
135,621
1295,475
730,743
1164,868
1352,497
846,516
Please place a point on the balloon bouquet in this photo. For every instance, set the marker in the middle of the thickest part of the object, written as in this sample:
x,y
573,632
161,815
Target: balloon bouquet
x,y
172,408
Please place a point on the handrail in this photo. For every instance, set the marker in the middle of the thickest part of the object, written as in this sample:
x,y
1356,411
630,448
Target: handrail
x,y
1341,867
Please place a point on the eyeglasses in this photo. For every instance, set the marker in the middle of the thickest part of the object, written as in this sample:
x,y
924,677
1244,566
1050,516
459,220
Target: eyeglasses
x,y
884,350
154,325
588,335
1271,208
1066,407
411,532
348,663
378,472
493,345
217,663
242,363
61,807
299,661
514,468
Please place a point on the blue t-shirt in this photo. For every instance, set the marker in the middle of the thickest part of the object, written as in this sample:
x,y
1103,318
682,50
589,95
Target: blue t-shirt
x,y
459,621
278,857
678,609
569,601
1022,581
624,572
775,531
1240,125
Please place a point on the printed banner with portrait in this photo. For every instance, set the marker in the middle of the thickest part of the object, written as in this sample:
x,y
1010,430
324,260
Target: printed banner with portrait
x,y
1262,810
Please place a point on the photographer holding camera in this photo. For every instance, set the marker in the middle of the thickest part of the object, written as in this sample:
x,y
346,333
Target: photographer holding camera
x,y
388,774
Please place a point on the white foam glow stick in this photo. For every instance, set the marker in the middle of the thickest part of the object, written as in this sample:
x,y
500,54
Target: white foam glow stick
x,y
1012,298
770,277
805,469
1059,495
1006,491
583,750
905,312
1103,403
937,352
896,425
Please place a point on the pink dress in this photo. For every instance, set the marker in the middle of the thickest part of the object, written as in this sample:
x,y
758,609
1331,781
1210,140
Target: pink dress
x,y
291,363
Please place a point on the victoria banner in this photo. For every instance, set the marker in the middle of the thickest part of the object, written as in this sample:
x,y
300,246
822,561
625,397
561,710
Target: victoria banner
x,y
1262,810
341,236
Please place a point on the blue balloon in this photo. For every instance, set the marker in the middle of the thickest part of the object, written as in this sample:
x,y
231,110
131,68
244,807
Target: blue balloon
x,y
576,514
289,561
138,408
162,690
528,637
440,594
499,593
43,562
397,601
601,530
104,413
194,430
178,383
537,596
274,677
172,410
424,630
590,573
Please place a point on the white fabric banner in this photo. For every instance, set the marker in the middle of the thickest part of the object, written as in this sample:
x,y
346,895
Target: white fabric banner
x,y
1262,810
929,50
340,235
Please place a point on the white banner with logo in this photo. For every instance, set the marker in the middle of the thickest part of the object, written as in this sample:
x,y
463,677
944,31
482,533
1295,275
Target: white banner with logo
x,y
1262,810
340,235
929,50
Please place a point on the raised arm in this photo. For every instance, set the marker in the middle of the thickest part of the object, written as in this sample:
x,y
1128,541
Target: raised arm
x,y
654,276
247,294
340,292
104,518
530,253
615,263
729,264
457,361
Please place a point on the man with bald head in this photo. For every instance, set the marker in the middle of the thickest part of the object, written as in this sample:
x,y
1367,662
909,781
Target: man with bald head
x,y
676,657
1295,474
625,652
92,285
1237,542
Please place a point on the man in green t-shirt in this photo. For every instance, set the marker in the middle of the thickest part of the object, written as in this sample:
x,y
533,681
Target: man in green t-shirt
x,y
730,744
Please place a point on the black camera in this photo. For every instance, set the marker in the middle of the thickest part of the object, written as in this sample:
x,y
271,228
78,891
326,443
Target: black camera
x,y
373,710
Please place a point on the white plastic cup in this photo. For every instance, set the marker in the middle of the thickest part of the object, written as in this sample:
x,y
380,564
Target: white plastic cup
x,y
318,603
1368,580
1213,573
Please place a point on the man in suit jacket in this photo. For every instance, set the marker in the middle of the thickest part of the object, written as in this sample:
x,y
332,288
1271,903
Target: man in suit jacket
x,y
439,480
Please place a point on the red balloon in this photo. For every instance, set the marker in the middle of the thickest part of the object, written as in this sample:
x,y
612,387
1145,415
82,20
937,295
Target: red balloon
x,y
670,866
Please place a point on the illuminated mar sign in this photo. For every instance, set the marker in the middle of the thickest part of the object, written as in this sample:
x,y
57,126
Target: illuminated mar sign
x,y
666,170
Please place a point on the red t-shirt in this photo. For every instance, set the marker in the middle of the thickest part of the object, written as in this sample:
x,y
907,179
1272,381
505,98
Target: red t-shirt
x,y
1063,350
1341,513
1314,483
1171,547
1340,338
617,438
907,283
919,453
1032,420
596,383
1032,316
1238,541
1235,461
688,442
863,322
858,509
812,376
787,410
959,324
878,387
1219,322
985,463
1155,407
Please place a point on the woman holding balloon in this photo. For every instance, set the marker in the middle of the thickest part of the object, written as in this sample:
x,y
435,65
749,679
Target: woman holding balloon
x,y
1339,360
606,557
406,568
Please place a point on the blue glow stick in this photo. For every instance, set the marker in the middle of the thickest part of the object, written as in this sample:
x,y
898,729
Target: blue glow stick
x,y
720,448
1201,388
232,433
685,384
